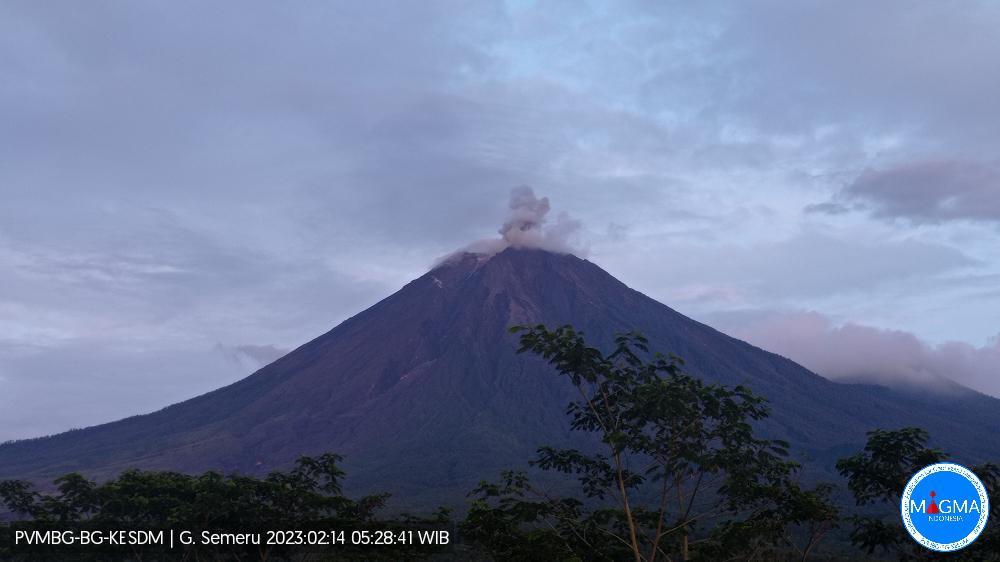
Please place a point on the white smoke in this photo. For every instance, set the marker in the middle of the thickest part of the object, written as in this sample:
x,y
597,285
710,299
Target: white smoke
x,y
527,226
251,356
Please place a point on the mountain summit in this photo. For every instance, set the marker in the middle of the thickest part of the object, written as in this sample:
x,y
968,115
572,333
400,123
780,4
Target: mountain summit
x,y
424,393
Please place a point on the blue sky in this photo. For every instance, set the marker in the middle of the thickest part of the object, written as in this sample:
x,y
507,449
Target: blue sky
x,y
188,189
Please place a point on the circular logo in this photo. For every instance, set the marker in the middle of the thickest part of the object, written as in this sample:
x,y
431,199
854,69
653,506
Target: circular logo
x,y
945,507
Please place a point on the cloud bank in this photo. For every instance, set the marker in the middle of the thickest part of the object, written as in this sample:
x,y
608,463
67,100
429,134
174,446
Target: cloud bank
x,y
857,352
924,191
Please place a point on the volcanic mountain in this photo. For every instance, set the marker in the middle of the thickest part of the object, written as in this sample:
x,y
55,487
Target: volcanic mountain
x,y
424,393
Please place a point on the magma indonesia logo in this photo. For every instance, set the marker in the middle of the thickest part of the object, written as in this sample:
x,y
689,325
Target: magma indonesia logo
x,y
945,507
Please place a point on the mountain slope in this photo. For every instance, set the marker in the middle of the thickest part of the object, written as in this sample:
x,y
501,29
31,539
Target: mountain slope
x,y
425,395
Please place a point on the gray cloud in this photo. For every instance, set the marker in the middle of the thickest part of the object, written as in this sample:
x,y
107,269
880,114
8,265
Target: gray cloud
x,y
893,70
853,351
926,191
810,263
829,208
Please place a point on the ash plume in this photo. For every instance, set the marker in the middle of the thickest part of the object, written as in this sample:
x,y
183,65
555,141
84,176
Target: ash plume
x,y
527,226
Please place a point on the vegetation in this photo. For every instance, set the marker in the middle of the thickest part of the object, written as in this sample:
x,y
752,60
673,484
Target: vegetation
x,y
306,498
682,474
677,472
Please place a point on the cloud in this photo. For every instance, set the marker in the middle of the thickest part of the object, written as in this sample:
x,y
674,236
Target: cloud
x,y
925,191
890,69
808,264
829,208
856,352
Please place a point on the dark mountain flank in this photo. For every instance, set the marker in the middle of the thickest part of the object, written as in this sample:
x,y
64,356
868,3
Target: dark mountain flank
x,y
424,394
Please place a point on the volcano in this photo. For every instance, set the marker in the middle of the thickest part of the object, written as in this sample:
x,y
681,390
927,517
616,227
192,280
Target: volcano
x,y
425,395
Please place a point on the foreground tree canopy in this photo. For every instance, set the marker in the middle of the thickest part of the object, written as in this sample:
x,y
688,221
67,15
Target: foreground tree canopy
x,y
682,474
676,471
308,497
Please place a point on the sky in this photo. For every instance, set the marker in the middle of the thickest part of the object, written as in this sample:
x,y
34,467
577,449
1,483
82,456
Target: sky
x,y
190,189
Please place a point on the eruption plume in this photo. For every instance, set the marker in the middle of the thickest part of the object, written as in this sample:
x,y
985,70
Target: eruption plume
x,y
527,226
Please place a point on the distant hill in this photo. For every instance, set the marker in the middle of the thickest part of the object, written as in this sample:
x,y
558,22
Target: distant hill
x,y
424,393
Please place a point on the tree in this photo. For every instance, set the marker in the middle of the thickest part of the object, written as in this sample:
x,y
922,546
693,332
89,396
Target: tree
x,y
877,475
307,497
681,475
